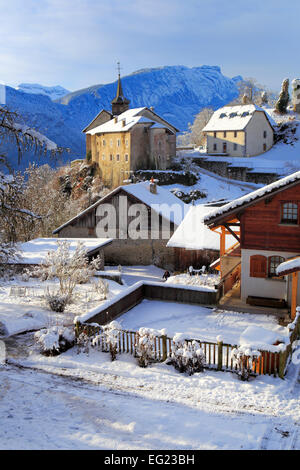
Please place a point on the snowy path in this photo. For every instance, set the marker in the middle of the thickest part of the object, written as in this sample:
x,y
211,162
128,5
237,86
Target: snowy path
x,y
40,411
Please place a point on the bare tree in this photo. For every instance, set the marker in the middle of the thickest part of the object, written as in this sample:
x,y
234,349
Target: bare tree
x,y
195,135
14,215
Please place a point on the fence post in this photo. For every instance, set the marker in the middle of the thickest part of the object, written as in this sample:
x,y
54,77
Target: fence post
x,y
164,347
77,329
220,355
282,363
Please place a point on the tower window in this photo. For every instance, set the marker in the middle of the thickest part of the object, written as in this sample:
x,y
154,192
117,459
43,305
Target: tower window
x,y
118,157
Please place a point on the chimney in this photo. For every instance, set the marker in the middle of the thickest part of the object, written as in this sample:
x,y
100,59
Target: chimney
x,y
123,122
153,186
115,120
152,108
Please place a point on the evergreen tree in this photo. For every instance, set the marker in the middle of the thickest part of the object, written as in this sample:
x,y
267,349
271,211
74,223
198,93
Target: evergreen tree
x,y
284,97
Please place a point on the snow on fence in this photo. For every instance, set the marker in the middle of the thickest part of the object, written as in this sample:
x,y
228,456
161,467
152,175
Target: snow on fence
x,y
218,355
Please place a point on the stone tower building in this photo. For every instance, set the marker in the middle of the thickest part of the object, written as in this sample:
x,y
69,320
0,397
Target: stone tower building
x,y
124,140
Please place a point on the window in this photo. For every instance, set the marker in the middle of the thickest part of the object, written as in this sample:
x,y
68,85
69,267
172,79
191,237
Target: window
x,y
126,157
235,133
258,266
118,157
118,142
111,157
265,147
234,146
111,142
265,134
289,213
215,147
224,147
103,142
224,133
103,156
126,142
215,134
274,261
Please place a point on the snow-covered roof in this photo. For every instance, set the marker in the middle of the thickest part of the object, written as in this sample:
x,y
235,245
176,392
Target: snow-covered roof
x,y
248,198
193,234
131,118
289,266
35,251
163,202
234,118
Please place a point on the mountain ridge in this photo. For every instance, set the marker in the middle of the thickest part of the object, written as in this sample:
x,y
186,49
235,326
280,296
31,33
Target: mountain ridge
x,y
177,93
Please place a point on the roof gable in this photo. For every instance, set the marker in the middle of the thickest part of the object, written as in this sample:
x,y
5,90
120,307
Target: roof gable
x,y
99,119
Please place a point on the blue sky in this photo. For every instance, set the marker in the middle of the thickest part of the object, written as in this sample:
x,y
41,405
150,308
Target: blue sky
x,y
76,43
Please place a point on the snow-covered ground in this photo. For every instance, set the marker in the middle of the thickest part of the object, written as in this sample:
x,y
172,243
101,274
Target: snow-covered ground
x,y
23,306
216,188
202,323
88,402
133,274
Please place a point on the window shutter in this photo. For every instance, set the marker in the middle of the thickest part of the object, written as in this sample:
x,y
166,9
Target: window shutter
x,y
258,266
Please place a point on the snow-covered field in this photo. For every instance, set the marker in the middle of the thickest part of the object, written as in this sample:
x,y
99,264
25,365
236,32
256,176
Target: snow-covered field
x,y
88,402
215,187
202,323
23,306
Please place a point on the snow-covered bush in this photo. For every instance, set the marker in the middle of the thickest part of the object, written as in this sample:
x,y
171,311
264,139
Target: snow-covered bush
x,y
70,268
243,358
187,356
145,346
111,335
101,288
56,301
55,340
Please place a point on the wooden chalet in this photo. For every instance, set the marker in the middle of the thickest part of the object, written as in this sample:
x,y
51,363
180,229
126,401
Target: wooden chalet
x,y
266,226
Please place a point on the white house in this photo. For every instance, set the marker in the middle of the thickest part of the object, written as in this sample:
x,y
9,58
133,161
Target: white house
x,y
239,131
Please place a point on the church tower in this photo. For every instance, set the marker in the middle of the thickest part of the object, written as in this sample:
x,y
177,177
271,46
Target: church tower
x,y
119,104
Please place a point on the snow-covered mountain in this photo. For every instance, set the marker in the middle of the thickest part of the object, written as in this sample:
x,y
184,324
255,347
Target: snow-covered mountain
x,y
53,92
177,93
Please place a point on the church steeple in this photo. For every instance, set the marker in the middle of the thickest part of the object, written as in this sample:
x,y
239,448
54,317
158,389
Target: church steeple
x,y
119,104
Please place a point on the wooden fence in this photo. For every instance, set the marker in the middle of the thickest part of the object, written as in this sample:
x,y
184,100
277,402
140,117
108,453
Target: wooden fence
x,y
217,355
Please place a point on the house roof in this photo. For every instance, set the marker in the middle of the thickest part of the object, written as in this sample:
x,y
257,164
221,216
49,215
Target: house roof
x,y
96,117
290,266
249,199
35,251
162,202
131,117
234,118
193,234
